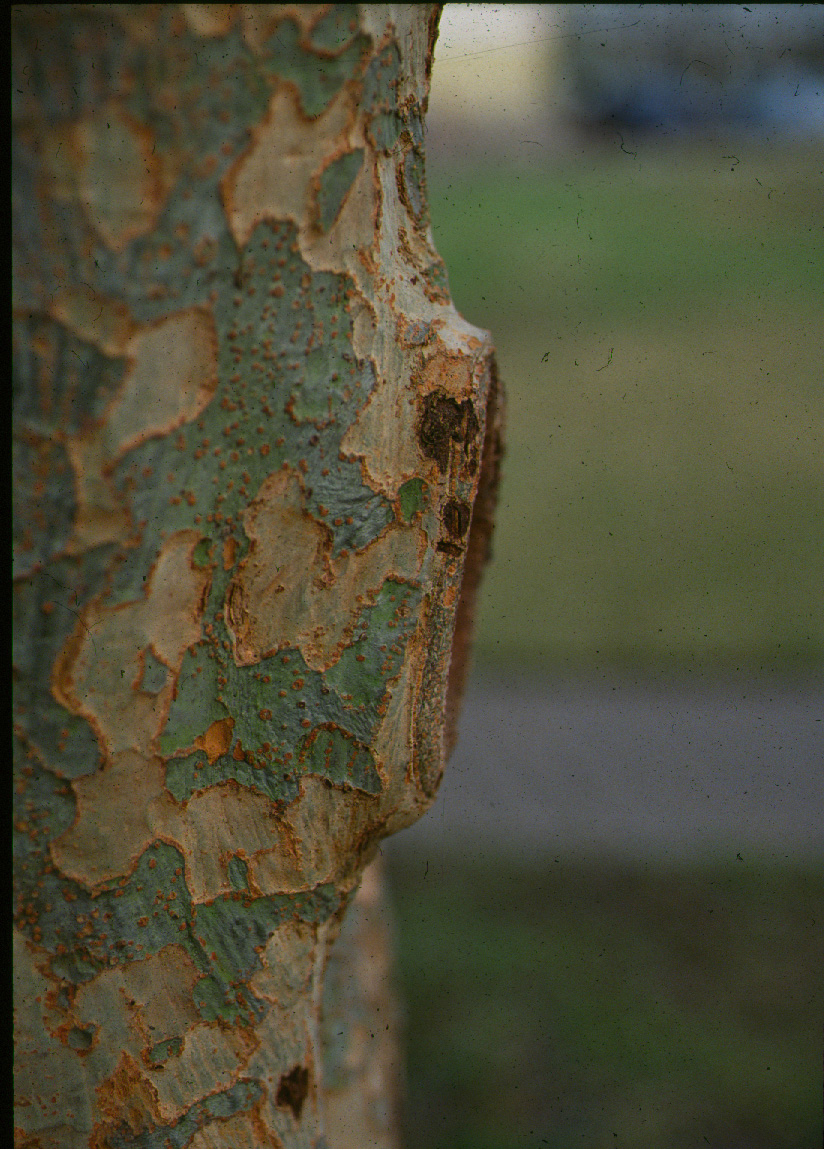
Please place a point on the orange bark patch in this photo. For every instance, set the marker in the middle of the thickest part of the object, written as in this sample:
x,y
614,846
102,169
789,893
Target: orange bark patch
x,y
449,373
127,1099
217,739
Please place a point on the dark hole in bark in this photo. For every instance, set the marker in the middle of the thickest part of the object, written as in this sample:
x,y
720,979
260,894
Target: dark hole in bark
x,y
292,1090
456,515
443,422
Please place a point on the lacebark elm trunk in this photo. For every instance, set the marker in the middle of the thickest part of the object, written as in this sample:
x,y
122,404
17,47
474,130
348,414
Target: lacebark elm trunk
x,y
255,457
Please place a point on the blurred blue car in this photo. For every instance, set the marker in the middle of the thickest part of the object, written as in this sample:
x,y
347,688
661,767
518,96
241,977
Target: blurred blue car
x,y
680,68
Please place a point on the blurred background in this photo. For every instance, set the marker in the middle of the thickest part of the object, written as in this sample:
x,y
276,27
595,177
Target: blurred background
x,y
610,925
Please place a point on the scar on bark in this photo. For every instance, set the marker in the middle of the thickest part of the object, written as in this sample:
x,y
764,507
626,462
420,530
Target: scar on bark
x,y
292,1090
478,551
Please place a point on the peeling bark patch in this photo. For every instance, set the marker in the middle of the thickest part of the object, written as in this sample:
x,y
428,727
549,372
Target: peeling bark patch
x,y
444,424
128,1101
292,1090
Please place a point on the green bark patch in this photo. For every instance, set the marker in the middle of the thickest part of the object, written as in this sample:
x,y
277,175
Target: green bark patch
x,y
79,1038
274,358
362,673
44,510
162,1051
318,78
148,910
338,757
238,871
335,181
76,381
216,1000
202,554
380,90
412,498
274,702
414,182
231,931
336,29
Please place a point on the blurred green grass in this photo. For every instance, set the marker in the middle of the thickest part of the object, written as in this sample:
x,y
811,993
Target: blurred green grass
x,y
572,1004
659,324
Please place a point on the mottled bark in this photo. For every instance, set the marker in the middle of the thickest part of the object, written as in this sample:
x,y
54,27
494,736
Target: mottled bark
x,y
250,432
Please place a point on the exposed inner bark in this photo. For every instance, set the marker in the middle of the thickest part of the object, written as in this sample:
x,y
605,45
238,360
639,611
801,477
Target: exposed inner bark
x,y
478,553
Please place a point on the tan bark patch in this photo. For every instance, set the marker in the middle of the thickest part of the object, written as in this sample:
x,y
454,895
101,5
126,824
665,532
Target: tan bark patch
x,y
172,376
120,811
328,828
271,604
287,964
288,1038
353,230
137,1005
271,180
120,182
382,436
104,322
100,516
171,379
210,1060
97,672
224,820
210,19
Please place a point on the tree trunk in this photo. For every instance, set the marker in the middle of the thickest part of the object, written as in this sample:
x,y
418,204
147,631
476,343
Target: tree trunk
x,y
250,432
